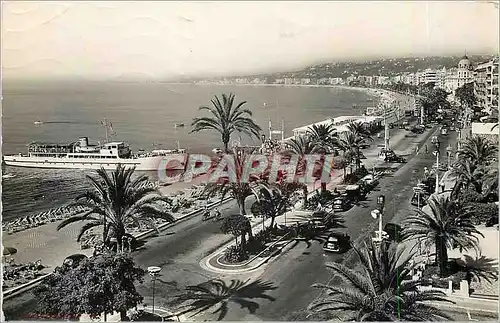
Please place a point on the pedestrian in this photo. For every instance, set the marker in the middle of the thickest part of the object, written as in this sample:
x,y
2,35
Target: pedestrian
x,y
426,171
426,150
442,187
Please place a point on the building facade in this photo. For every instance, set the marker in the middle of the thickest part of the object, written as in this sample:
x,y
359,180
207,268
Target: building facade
x,y
486,86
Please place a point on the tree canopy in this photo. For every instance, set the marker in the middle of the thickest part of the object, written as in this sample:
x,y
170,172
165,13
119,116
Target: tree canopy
x,y
101,284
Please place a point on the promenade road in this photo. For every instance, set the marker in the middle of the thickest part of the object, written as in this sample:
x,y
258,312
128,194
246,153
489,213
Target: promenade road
x,y
295,271
179,249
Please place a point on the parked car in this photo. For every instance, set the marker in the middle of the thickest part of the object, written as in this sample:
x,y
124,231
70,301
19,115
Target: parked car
x,y
423,199
370,180
354,193
341,204
364,146
393,158
337,242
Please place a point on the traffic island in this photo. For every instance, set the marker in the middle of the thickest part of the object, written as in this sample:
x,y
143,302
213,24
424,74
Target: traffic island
x,y
216,261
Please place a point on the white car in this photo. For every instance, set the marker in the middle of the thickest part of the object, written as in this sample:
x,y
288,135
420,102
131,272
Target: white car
x,y
370,180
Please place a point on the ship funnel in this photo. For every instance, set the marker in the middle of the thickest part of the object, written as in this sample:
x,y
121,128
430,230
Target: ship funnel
x,y
84,141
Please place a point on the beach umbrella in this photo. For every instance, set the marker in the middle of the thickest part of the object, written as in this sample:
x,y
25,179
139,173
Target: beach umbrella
x,y
8,251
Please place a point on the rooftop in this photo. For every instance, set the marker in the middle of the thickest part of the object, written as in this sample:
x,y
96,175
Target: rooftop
x,y
115,143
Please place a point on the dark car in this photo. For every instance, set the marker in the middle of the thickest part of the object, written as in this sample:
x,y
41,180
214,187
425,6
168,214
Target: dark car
x,y
337,242
394,159
341,203
355,193
393,231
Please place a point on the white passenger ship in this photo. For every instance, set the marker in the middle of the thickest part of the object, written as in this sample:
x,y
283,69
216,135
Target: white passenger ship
x,y
82,155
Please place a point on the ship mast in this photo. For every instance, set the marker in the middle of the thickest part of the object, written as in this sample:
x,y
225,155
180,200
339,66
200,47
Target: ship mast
x,y
105,124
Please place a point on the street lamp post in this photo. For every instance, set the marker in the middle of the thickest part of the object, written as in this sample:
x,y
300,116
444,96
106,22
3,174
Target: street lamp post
x,y
377,213
449,151
436,142
153,272
418,191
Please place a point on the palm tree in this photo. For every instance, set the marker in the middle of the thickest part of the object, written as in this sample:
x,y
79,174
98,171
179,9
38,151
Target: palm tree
x,y
117,201
302,146
479,268
226,119
324,137
379,290
479,151
361,132
467,175
238,188
446,226
271,203
350,143
219,294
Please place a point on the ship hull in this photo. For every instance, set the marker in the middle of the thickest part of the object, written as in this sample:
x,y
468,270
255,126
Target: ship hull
x,y
140,164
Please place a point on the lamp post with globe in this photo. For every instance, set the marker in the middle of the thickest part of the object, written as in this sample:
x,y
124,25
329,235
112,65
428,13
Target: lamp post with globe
x,y
377,214
449,152
153,272
437,143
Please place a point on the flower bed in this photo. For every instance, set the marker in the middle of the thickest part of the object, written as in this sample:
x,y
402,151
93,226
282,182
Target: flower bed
x,y
263,239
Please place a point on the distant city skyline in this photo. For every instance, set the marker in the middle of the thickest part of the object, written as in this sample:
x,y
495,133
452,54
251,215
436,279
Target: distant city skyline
x,y
169,40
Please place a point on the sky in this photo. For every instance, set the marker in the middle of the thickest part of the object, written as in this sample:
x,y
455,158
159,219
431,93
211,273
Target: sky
x,y
109,40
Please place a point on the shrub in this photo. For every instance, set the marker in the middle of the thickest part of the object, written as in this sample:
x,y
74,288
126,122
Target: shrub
x,y
235,254
469,196
256,245
482,212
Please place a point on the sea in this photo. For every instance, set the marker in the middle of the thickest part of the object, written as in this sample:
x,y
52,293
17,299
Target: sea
x,y
143,115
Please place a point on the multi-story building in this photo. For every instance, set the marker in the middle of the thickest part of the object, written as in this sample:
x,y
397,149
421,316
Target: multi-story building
x,y
451,80
465,72
430,76
383,80
458,77
408,79
486,86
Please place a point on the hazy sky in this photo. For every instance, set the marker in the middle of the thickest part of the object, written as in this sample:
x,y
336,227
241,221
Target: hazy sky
x,y
169,39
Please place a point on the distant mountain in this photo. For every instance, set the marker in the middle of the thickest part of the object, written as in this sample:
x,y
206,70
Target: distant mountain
x,y
386,67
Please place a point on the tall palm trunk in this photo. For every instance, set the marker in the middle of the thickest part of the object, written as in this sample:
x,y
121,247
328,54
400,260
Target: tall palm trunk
x,y
241,205
243,240
442,256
